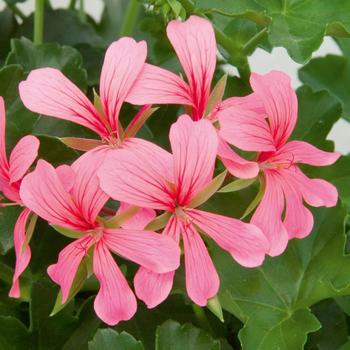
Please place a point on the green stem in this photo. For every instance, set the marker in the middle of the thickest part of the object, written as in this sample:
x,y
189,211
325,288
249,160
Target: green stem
x,y
17,11
39,21
254,41
81,14
72,4
130,18
201,317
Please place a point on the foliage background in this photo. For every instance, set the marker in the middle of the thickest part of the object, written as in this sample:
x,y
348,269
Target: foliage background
x,y
298,300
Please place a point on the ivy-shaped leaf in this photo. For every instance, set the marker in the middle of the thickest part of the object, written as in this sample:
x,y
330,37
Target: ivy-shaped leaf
x,y
273,301
297,25
173,336
108,339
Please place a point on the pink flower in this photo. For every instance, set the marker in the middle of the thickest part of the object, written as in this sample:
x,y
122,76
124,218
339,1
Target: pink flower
x,y
266,129
151,177
47,91
70,197
11,174
195,45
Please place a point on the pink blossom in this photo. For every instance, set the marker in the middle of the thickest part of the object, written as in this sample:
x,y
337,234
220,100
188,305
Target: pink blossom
x,y
151,177
11,174
195,45
70,197
265,126
47,91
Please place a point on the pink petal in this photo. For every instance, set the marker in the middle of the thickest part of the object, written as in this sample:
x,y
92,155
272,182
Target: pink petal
x,y
3,156
156,85
298,219
123,62
139,221
22,257
269,212
303,152
67,176
316,192
23,156
195,45
280,101
151,250
235,164
47,91
202,280
153,288
69,259
245,129
245,242
86,191
138,175
115,301
43,192
194,146
250,102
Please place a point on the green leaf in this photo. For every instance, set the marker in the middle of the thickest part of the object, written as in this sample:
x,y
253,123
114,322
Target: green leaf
x,y
318,112
108,339
63,27
64,58
13,334
273,301
173,336
19,121
334,327
8,218
54,151
297,25
8,26
330,73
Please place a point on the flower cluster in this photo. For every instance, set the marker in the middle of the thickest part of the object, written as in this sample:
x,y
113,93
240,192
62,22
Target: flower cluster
x,y
160,192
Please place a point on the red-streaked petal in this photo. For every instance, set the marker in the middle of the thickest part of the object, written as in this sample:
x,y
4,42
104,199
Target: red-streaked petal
x,y
195,45
156,85
43,192
67,176
194,146
250,102
268,215
138,175
69,259
280,102
202,280
303,152
298,219
86,191
235,164
153,288
115,301
23,156
138,221
123,62
22,256
47,91
151,250
316,192
245,129
245,242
